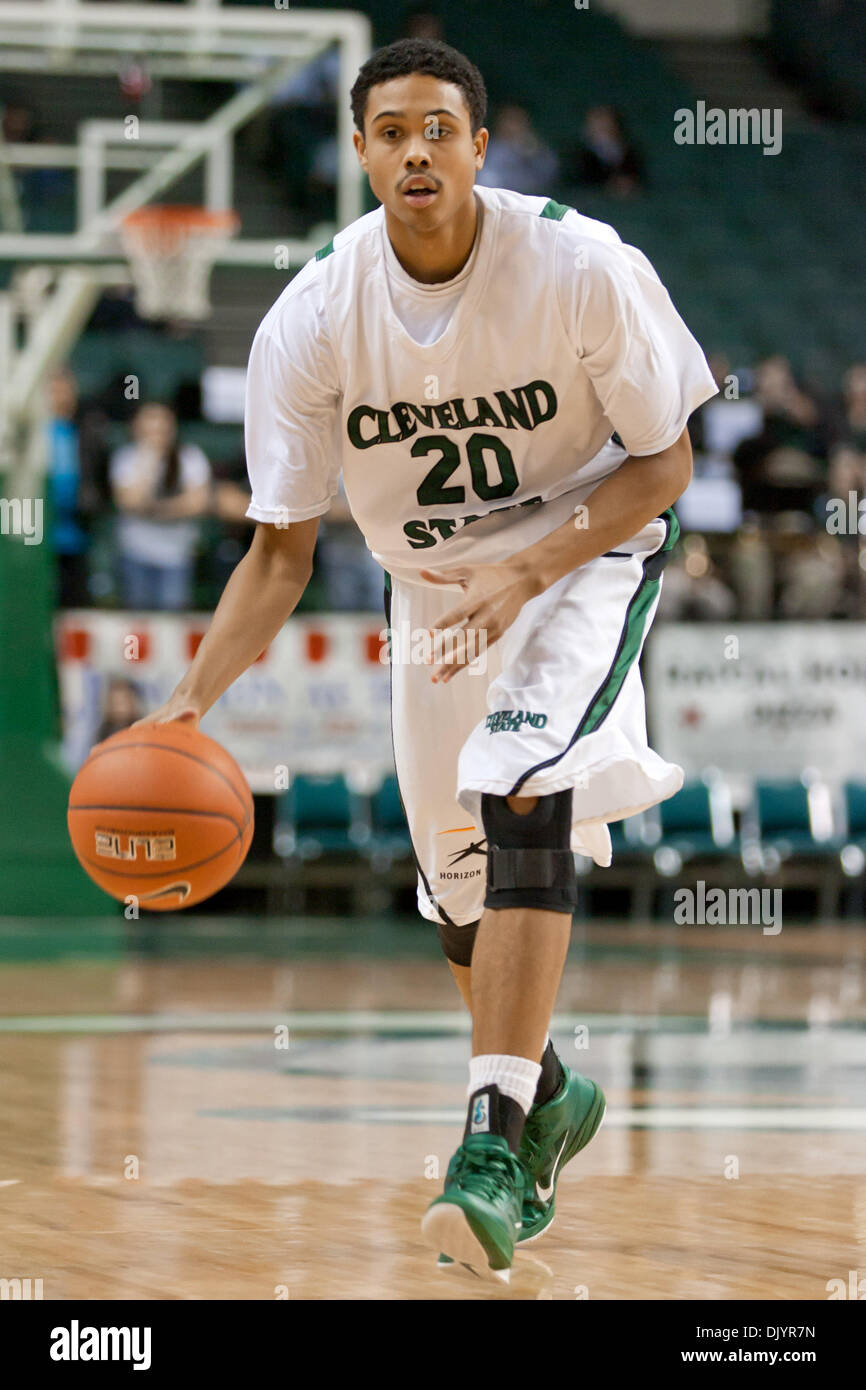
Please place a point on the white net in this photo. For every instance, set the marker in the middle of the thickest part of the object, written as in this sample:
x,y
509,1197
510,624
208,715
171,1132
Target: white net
x,y
171,251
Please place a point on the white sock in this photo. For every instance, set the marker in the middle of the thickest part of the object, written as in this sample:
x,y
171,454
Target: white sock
x,y
515,1076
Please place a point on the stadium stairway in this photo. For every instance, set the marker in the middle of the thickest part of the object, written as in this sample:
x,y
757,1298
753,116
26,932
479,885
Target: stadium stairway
x,y
732,72
754,262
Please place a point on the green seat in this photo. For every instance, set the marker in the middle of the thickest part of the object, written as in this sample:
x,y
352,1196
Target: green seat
x,y
784,821
317,815
389,832
855,813
159,363
695,826
627,838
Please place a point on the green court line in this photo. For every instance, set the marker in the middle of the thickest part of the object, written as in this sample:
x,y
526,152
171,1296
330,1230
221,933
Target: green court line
x,y
845,1119
31,944
381,1022
313,1021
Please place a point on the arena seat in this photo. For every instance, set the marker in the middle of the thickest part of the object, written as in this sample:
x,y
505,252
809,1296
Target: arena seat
x,y
787,820
159,362
696,823
854,797
316,816
852,853
389,833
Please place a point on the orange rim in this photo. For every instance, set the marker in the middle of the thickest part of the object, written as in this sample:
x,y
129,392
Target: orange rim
x,y
161,222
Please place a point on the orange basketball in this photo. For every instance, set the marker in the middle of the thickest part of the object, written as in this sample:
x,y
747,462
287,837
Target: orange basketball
x,y
161,813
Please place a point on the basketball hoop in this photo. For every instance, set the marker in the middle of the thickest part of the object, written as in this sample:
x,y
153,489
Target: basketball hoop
x,y
171,251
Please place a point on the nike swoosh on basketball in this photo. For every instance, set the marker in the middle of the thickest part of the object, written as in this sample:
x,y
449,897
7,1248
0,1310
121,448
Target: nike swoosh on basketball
x,y
546,1192
182,888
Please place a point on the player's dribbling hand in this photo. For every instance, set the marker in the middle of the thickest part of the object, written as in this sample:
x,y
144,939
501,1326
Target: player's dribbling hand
x,y
175,707
493,597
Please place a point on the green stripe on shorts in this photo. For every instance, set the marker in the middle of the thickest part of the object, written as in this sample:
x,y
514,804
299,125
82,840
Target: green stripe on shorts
x,y
631,637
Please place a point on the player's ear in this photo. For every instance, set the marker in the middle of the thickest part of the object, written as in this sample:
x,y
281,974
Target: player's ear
x,y
479,139
360,148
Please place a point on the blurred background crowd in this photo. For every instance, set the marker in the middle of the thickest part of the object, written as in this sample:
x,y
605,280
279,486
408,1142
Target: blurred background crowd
x,y
148,487
141,517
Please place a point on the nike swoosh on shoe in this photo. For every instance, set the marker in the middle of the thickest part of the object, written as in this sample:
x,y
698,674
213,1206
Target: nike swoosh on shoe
x,y
545,1193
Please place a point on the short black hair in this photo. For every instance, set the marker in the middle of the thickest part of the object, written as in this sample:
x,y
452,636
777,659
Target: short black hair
x,y
430,56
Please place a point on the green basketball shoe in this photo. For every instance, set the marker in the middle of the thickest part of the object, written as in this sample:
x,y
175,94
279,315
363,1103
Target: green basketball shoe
x,y
553,1134
476,1220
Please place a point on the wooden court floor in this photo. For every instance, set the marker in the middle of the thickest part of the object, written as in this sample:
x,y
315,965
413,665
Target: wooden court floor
x,y
233,1122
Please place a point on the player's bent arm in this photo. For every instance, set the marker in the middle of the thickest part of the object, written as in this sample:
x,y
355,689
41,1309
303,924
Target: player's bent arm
x,y
621,506
262,592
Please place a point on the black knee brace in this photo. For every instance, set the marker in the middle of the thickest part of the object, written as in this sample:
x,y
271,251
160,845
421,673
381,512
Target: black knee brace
x,y
529,858
457,942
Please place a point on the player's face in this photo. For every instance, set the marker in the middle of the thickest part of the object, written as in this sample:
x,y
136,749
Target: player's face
x,y
417,129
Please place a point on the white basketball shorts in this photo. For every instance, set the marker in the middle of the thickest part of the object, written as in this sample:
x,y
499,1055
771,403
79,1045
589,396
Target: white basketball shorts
x,y
560,704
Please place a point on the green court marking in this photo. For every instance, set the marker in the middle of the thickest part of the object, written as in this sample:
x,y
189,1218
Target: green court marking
x,y
384,1023
822,1118
41,943
314,1021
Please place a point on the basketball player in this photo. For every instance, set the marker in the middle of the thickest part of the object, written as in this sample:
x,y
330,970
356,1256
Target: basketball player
x,y
505,387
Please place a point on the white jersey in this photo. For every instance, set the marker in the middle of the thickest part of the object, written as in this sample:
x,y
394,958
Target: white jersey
x,y
473,438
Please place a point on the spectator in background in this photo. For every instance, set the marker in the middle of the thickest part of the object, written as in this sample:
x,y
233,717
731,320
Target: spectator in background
x,y
18,127
115,312
606,157
847,472
693,590
77,478
516,156
813,579
160,487
69,536
122,706
752,575
302,142
849,425
782,468
18,124
37,188
315,85
422,23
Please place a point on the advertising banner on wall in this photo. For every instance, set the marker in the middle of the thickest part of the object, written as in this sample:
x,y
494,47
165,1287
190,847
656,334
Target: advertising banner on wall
x,y
762,699
317,700
759,699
